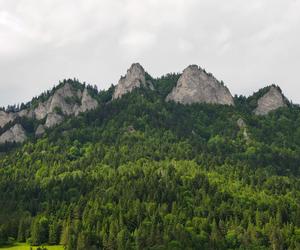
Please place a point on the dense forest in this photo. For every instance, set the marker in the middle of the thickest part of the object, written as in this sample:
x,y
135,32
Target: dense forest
x,y
142,173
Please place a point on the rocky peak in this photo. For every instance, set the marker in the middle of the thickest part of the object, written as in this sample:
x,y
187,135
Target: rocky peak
x,y
270,101
197,86
134,78
65,101
87,102
14,134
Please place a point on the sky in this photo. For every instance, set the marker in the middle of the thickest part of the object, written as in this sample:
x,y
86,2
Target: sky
x,y
247,44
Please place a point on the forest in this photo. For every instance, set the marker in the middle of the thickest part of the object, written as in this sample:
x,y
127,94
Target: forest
x,y
142,173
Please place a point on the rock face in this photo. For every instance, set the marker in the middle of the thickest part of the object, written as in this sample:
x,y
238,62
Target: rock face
x,y
243,127
196,86
14,134
241,124
134,78
53,119
40,130
87,103
272,100
64,102
6,118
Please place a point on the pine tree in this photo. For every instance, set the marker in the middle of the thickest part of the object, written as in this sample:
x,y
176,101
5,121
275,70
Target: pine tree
x,y
21,231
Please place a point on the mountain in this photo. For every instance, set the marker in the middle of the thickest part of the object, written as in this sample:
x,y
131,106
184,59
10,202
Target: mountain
x,y
140,172
70,98
66,100
270,101
135,78
197,86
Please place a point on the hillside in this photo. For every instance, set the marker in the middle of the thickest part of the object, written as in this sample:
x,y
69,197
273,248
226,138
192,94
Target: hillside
x,y
138,170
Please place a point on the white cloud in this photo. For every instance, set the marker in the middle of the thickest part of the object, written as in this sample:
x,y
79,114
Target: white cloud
x,y
246,44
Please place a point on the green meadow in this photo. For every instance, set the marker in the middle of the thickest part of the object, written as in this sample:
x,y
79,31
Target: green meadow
x,y
24,246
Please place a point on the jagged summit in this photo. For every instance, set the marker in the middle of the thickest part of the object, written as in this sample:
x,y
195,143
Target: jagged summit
x,y
270,101
135,78
65,100
197,86
71,97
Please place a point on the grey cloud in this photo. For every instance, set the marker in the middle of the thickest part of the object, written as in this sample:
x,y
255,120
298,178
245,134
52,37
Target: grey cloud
x,y
246,44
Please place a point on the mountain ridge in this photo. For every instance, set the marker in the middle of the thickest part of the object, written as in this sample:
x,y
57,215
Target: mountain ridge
x,y
194,85
143,172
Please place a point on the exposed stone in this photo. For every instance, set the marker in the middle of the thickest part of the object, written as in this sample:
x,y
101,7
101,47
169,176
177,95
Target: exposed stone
x,y
25,113
40,130
271,101
130,129
134,78
243,127
58,100
196,86
6,118
53,119
14,134
87,102
64,100
42,109
241,124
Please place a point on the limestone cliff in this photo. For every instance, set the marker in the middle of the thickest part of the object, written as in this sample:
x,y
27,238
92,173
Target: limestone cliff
x,y
6,117
40,130
197,86
270,101
14,134
65,101
134,78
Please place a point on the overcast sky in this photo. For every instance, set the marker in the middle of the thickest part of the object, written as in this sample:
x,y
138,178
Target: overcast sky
x,y
247,44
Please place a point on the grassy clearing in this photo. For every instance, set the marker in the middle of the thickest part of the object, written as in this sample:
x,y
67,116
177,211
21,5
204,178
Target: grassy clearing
x,y
24,246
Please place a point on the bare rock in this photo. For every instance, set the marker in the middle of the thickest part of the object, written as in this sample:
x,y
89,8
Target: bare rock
x,y
243,127
196,86
40,130
25,113
53,119
134,78
87,103
42,109
14,134
68,101
58,100
241,123
6,118
271,101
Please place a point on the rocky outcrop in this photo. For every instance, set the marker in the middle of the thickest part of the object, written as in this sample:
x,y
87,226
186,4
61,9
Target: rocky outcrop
x,y
40,130
14,134
6,118
87,103
65,100
197,86
134,78
241,124
270,101
243,127
53,119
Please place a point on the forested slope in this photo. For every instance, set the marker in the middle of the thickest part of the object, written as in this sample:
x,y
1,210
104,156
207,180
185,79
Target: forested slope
x,y
142,173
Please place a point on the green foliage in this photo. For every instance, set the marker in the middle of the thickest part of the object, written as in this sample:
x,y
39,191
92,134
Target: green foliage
x,y
141,173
